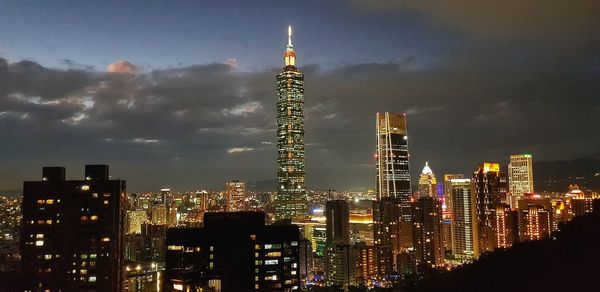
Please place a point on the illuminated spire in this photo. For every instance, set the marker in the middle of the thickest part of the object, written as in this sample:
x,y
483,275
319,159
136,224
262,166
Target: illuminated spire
x,y
427,169
289,56
289,38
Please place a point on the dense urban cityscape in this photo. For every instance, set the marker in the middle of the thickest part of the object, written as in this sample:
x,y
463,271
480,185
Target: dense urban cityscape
x,y
87,231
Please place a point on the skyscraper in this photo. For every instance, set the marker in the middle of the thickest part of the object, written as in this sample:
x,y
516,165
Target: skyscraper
x,y
337,216
427,182
393,175
520,177
465,244
339,267
71,237
235,192
392,212
427,230
490,189
291,192
448,189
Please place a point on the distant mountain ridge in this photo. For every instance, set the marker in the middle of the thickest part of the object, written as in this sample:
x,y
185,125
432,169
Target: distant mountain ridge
x,y
556,176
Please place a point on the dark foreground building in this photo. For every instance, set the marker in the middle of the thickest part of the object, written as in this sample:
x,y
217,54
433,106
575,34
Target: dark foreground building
x,y
71,231
234,251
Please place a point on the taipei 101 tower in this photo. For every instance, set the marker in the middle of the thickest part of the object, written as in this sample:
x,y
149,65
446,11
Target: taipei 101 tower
x,y
291,200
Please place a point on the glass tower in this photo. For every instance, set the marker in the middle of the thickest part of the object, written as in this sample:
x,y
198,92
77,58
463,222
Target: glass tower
x,y
291,192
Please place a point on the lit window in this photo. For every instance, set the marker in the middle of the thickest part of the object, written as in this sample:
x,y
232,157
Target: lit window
x,y
85,188
50,201
39,243
94,217
105,239
105,202
92,279
271,262
41,202
178,287
39,235
273,254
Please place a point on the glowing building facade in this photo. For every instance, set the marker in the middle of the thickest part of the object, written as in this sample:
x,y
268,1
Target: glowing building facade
x,y
72,231
465,244
291,199
427,182
490,189
427,233
392,212
520,176
235,192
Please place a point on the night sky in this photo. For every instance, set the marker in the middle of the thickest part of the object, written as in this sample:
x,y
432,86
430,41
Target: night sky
x,y
181,94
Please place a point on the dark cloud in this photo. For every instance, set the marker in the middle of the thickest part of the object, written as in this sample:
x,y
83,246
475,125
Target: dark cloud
x,y
553,20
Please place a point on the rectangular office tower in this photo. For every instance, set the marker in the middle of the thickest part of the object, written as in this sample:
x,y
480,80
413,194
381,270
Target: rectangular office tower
x,y
520,177
339,266
392,212
234,251
71,237
291,199
235,192
465,244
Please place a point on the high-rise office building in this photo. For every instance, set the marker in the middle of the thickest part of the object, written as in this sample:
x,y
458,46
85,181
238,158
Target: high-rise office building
x,y
234,251
393,172
158,214
339,262
448,189
165,197
71,237
291,201
134,220
235,192
535,217
392,211
520,177
490,189
337,216
427,230
465,244
427,182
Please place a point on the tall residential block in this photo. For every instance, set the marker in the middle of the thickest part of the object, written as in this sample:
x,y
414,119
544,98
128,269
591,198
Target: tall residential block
x,y
490,189
72,231
428,233
339,265
291,200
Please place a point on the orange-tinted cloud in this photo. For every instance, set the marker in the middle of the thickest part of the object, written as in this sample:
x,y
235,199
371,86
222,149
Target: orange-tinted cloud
x,y
122,67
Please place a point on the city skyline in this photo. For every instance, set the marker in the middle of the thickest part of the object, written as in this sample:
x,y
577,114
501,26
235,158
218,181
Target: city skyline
x,y
207,117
